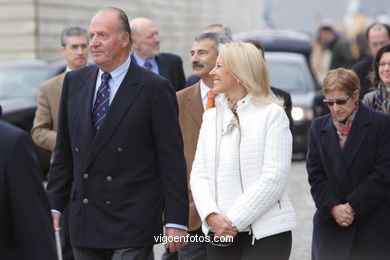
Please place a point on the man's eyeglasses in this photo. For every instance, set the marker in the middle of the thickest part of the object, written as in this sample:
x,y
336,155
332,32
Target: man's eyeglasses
x,y
340,102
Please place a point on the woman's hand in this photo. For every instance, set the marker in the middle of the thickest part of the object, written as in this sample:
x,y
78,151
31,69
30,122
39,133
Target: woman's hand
x,y
343,214
221,225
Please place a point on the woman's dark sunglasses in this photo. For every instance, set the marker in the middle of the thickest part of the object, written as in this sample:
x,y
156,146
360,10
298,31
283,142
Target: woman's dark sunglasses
x,y
339,102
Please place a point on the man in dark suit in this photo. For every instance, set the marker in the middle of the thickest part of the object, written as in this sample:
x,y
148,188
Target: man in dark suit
x,y
26,230
377,35
119,152
146,52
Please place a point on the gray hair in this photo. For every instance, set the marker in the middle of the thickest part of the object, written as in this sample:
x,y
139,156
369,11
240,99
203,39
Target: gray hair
x,y
225,29
72,31
217,38
124,26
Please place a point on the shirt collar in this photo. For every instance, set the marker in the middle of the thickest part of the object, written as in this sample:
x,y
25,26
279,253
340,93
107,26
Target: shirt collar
x,y
141,61
119,73
204,89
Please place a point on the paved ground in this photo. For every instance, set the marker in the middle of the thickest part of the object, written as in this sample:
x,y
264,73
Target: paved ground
x,y
299,193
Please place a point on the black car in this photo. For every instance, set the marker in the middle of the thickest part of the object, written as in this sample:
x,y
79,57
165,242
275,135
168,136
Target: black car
x,y
288,57
19,89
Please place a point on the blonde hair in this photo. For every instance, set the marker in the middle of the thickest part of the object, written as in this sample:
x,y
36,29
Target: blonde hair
x,y
248,67
341,79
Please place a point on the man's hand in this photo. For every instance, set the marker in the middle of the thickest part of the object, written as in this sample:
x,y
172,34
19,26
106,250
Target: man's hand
x,y
221,225
343,214
56,221
176,234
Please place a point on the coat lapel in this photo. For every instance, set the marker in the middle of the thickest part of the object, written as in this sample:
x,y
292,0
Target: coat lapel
x,y
123,100
336,164
194,105
357,135
86,91
163,68
58,85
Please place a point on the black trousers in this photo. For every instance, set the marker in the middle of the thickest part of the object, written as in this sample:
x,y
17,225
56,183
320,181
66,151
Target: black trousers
x,y
141,253
276,247
195,249
67,250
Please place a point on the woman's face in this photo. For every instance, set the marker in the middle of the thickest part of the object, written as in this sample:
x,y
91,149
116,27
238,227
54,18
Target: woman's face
x,y
346,104
384,68
222,78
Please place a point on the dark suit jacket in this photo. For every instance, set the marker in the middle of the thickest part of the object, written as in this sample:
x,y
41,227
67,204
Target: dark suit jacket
x,y
26,229
130,172
358,174
362,69
287,105
170,67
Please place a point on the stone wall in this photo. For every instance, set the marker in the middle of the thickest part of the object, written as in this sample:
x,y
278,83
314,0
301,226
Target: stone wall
x,y
31,28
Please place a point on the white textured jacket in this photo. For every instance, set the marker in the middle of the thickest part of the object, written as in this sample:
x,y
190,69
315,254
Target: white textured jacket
x,y
241,170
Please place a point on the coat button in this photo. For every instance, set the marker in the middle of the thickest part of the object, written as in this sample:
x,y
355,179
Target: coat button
x,y
76,149
109,178
85,201
119,150
108,203
85,176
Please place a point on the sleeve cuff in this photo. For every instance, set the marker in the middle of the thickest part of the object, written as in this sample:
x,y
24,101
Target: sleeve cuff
x,y
172,225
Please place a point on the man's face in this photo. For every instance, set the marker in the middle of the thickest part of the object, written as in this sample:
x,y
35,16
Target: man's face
x,y
377,37
76,51
107,45
325,38
204,56
146,42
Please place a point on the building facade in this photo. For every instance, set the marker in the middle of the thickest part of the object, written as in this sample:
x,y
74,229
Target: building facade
x,y
30,29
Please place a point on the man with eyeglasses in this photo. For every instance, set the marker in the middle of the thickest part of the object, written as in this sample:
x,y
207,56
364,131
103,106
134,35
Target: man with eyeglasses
x,y
377,34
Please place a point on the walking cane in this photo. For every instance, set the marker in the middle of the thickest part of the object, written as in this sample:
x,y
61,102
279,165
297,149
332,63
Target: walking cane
x,y
58,245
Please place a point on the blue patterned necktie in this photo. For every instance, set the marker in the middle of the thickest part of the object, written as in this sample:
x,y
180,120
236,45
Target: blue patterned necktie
x,y
148,65
101,106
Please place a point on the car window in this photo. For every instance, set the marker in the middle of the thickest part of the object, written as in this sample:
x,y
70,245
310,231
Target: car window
x,y
21,82
288,75
290,72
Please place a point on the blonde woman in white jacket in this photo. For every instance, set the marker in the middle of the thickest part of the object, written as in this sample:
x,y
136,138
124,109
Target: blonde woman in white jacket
x,y
243,158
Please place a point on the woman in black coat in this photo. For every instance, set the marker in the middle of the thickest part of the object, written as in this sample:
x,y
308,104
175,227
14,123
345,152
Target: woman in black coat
x,y
348,164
